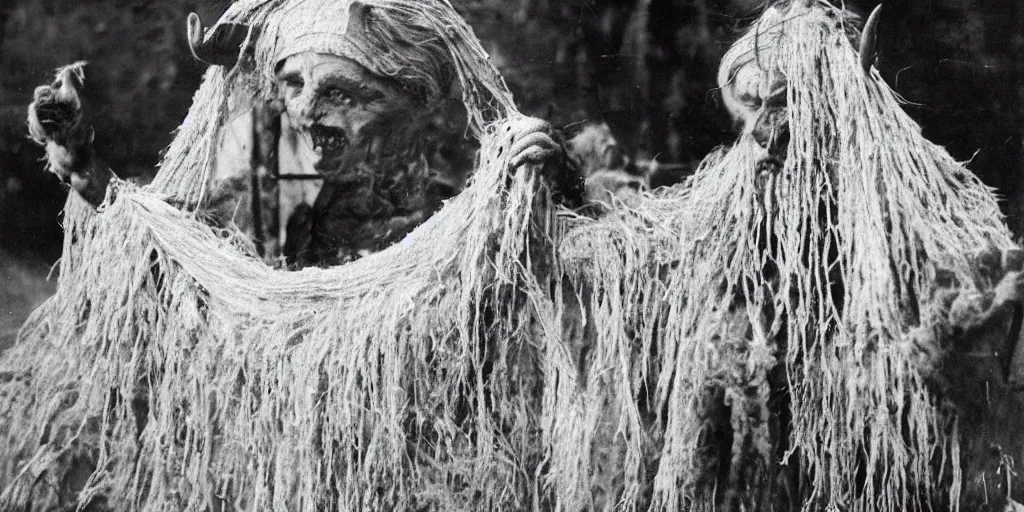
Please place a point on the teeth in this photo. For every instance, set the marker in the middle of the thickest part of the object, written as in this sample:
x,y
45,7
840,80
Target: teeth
x,y
328,139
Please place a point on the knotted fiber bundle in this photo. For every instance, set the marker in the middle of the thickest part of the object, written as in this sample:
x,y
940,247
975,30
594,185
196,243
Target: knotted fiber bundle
x,y
755,317
192,376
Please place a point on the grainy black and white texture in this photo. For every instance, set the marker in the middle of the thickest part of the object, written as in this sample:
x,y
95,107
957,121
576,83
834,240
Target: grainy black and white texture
x,y
641,72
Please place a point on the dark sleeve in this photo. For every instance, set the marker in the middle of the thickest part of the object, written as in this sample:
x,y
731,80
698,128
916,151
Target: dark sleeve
x,y
565,177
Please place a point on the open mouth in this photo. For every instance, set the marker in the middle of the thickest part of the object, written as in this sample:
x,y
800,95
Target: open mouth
x,y
329,142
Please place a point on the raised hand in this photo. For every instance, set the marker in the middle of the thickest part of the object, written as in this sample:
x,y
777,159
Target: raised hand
x,y
55,121
1003,270
533,143
983,321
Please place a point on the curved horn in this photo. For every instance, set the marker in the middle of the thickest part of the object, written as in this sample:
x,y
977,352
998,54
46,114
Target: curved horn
x,y
869,40
222,47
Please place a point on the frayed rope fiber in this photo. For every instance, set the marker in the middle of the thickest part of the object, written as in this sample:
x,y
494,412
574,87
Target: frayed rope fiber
x,y
786,318
668,356
368,376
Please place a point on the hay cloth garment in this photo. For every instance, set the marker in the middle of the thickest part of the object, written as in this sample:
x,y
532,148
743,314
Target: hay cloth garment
x,y
191,376
452,371
770,335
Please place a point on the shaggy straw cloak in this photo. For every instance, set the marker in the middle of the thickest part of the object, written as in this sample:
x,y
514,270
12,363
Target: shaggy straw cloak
x,y
791,315
457,370
192,376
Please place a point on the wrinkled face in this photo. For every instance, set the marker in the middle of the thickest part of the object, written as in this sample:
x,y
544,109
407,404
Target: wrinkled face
x,y
753,88
338,105
756,99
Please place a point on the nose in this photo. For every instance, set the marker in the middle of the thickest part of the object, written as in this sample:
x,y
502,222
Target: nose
x,y
770,128
302,108
761,131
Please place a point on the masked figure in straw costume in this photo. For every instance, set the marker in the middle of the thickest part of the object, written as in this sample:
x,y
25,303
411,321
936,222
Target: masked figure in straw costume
x,y
370,107
172,371
813,321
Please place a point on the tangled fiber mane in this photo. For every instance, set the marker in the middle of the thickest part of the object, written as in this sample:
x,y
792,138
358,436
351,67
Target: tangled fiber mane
x,y
190,375
505,358
826,269
363,28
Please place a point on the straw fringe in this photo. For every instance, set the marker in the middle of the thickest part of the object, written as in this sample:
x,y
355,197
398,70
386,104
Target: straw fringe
x,y
669,356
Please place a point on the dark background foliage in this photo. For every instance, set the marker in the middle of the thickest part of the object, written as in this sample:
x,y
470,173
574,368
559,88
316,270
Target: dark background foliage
x,y
645,66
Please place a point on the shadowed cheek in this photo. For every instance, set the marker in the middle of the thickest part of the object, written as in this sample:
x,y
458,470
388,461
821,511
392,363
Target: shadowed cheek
x,y
353,122
771,130
369,122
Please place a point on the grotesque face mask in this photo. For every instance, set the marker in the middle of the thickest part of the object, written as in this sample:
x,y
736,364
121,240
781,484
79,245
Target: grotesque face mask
x,y
349,72
756,98
754,89
338,107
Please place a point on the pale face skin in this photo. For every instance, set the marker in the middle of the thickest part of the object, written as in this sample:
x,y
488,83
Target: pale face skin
x,y
338,106
343,110
757,101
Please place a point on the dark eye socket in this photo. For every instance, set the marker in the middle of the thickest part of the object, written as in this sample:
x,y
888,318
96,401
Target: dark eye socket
x,y
750,100
337,95
293,81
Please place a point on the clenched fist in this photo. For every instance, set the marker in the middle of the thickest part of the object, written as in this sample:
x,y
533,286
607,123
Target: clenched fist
x,y
55,122
532,143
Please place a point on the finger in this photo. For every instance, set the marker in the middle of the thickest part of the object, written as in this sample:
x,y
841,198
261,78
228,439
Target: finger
x,y
532,155
535,139
529,124
524,128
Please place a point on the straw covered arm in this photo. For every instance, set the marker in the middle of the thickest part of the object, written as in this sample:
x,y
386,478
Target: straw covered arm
x,y
970,325
58,121
968,343
415,313
969,339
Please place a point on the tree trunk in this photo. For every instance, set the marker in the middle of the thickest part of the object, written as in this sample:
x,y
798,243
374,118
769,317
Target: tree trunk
x,y
5,14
